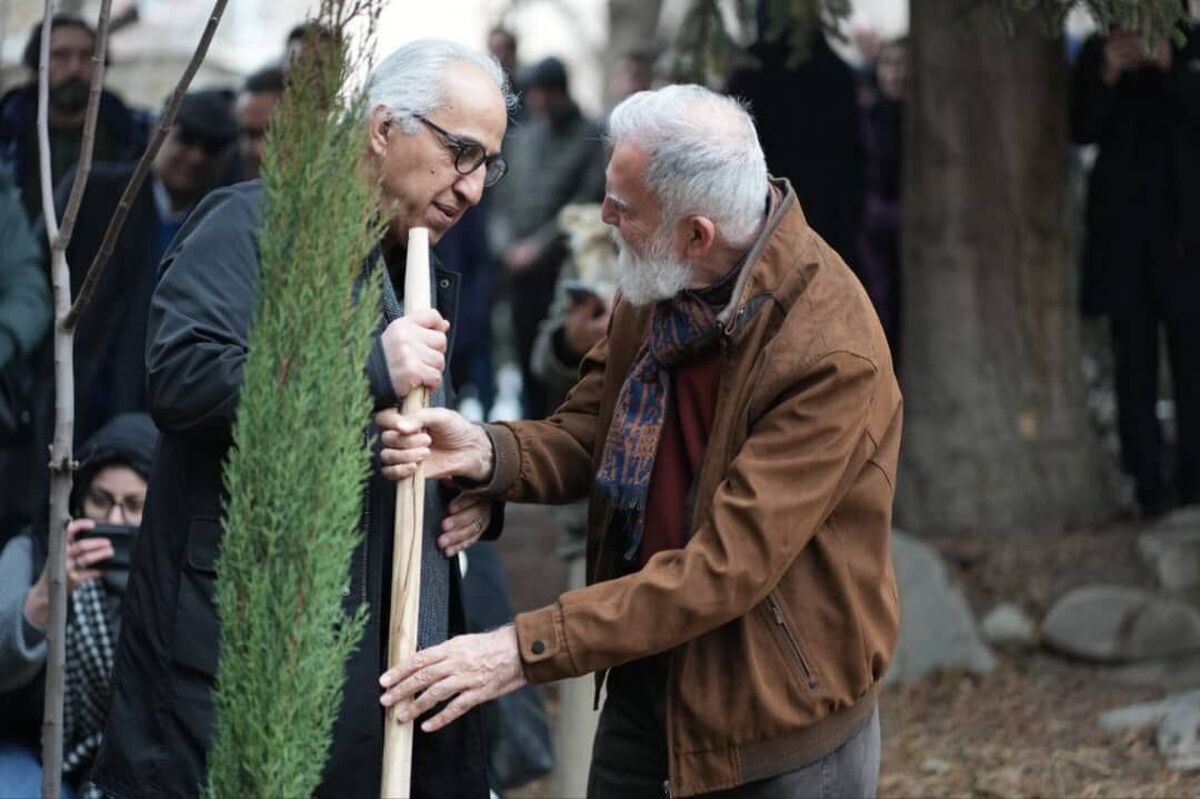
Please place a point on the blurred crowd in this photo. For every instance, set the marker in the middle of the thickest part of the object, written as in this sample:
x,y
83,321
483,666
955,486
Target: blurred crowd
x,y
537,268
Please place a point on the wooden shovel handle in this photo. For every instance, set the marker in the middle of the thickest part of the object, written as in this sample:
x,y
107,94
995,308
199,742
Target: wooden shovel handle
x,y
406,557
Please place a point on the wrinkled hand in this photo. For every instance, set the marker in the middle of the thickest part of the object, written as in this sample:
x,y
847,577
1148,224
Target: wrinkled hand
x,y
586,323
467,671
415,348
81,556
469,516
444,441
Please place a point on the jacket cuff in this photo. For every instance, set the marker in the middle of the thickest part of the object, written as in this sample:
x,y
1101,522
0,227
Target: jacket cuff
x,y
542,642
378,377
506,462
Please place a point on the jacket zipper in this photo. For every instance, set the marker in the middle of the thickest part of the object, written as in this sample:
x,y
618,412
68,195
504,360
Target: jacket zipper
x,y
791,639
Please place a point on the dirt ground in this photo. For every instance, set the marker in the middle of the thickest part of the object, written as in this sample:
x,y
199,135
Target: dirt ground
x,y
1026,730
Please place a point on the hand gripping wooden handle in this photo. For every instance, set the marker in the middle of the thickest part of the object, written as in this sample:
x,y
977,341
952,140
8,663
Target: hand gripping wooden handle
x,y
406,557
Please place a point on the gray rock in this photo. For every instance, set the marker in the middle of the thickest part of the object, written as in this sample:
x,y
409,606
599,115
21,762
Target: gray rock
x,y
1177,726
1144,714
1132,717
1172,550
1179,673
1178,737
937,629
1009,628
1110,623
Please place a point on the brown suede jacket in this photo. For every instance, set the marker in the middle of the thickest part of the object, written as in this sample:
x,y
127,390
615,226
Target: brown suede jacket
x,y
780,614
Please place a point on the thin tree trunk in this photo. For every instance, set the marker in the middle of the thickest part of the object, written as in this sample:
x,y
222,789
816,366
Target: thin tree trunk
x,y
996,434
61,460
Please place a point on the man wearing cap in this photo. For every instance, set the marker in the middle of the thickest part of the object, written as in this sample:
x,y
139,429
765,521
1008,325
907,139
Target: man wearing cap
x,y
109,342
120,132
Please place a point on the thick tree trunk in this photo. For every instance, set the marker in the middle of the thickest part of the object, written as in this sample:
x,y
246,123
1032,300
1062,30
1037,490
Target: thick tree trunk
x,y
997,436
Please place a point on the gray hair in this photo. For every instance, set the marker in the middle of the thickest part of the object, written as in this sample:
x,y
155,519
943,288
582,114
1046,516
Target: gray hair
x,y
412,80
704,155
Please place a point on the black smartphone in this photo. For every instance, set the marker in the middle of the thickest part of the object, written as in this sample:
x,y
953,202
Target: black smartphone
x,y
122,538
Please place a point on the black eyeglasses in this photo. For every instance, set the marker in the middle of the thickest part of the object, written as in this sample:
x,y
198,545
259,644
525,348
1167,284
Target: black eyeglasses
x,y
102,503
469,155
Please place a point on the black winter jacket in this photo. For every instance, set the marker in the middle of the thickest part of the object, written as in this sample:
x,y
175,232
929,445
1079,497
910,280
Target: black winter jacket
x,y
161,717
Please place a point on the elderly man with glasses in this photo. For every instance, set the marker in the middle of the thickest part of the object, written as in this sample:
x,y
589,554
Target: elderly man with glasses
x,y
436,115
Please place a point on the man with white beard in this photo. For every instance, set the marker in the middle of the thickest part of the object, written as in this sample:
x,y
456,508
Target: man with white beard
x,y
737,432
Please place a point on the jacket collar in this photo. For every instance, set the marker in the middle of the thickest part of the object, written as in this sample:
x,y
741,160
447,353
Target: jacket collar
x,y
783,203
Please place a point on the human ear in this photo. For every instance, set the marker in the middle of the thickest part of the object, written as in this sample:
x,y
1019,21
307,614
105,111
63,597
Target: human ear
x,y
379,125
699,236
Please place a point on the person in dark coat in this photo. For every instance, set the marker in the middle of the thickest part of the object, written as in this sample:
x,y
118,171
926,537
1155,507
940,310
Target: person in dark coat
x,y
557,160
25,315
1141,257
464,249
879,252
436,119
808,120
120,132
110,373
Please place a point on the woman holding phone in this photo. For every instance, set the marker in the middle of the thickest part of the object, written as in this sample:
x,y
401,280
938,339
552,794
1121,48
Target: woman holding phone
x,y
106,506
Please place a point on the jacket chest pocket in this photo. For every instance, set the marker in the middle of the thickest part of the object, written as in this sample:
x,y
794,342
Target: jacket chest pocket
x,y
788,643
196,629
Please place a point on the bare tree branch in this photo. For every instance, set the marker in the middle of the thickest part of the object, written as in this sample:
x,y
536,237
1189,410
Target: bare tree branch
x,y
43,124
96,270
61,456
84,167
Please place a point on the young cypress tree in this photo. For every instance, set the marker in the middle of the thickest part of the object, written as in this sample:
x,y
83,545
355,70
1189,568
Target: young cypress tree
x,y
295,473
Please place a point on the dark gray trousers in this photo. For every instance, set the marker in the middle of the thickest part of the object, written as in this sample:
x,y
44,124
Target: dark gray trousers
x,y
629,756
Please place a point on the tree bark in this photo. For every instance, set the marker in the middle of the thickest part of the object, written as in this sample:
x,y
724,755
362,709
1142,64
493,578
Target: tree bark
x,y
997,436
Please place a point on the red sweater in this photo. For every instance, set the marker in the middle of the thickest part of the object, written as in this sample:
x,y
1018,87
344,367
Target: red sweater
x,y
688,420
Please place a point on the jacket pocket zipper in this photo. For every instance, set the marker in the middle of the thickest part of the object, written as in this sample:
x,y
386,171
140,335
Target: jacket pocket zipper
x,y
791,639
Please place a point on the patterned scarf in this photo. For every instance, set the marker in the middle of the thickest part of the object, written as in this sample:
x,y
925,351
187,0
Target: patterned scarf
x,y
679,328
89,664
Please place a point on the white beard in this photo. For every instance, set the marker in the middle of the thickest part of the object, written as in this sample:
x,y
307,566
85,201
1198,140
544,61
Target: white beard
x,y
649,278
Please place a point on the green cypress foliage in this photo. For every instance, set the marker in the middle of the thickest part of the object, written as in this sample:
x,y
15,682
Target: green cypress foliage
x,y
299,459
